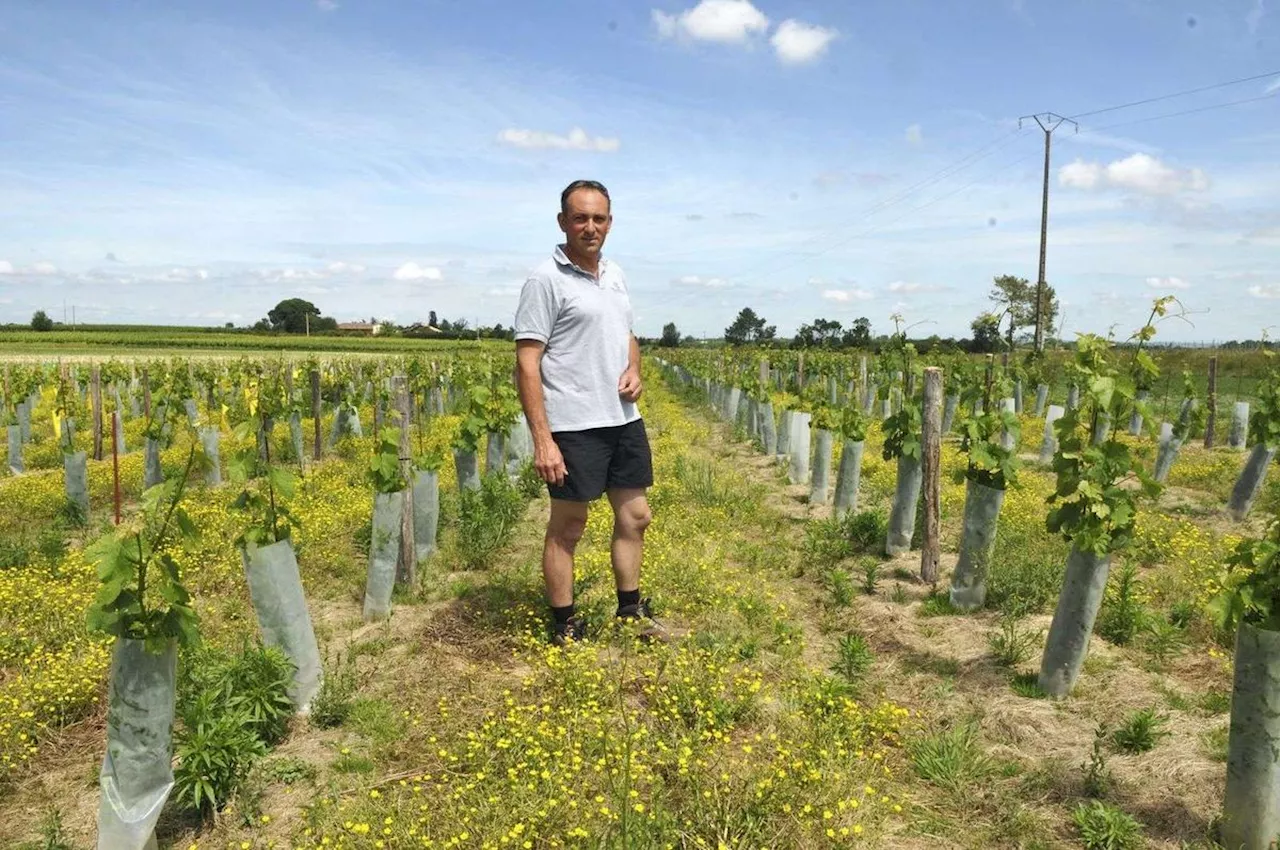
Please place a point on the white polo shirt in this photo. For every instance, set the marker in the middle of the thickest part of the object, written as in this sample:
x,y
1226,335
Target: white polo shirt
x,y
586,323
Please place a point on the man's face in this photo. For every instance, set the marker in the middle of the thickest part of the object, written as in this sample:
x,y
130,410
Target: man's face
x,y
586,221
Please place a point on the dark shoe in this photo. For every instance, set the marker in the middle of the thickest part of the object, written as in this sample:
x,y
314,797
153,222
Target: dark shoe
x,y
642,612
572,631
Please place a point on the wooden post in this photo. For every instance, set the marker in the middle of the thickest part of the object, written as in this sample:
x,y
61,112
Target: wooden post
x,y
932,469
146,394
315,411
1213,403
115,463
96,391
800,373
407,563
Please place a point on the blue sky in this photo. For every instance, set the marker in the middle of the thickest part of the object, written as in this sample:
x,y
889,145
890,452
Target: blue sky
x,y
194,163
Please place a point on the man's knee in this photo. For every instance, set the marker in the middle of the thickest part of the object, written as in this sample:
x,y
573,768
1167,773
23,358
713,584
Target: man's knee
x,y
633,519
566,531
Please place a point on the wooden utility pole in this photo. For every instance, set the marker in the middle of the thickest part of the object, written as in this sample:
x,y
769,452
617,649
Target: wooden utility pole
x,y
931,548
1048,122
407,563
315,411
95,388
1212,420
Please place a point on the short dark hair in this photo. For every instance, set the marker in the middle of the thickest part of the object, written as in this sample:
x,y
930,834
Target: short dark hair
x,y
583,184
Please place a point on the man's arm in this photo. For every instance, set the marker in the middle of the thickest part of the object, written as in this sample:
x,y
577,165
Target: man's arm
x,y
629,386
546,454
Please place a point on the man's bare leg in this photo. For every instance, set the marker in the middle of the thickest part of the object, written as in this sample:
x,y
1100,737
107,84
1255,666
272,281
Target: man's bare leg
x,y
631,517
564,530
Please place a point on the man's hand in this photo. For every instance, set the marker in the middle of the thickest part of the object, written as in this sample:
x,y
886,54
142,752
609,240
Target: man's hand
x,y
549,463
629,385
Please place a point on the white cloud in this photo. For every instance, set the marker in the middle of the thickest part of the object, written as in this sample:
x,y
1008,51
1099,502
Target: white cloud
x,y
1139,172
915,135
327,5
702,282
845,295
6,267
1167,283
1272,87
1269,290
339,267
911,286
577,140
796,42
723,21
44,268
413,271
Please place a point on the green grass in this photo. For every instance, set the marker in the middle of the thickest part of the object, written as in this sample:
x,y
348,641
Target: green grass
x,y
1027,685
950,759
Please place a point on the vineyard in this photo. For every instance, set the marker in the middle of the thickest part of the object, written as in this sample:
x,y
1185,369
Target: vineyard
x,y
251,601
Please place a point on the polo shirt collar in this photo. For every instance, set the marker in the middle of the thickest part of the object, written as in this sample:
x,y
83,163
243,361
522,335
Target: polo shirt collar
x,y
562,258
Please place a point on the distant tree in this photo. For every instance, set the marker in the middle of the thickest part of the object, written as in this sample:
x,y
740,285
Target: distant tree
x,y
1016,298
688,341
748,328
821,333
229,325
986,333
670,336
41,321
431,319
262,325
859,334
295,316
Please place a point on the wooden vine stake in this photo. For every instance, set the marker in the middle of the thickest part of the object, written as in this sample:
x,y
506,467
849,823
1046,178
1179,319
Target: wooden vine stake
x,y
407,563
1213,403
931,445
96,389
315,411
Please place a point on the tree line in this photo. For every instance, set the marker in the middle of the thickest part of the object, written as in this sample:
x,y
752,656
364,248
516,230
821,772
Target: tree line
x,y
1014,309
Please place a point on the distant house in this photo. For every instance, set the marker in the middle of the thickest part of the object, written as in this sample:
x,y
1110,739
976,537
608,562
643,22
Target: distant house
x,y
373,329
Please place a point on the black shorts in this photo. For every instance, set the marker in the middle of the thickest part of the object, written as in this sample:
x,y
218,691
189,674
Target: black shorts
x,y
601,459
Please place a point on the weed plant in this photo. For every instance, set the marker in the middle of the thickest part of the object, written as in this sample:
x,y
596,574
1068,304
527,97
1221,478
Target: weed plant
x,y
1097,776
1140,732
854,657
487,520
1105,827
1011,646
332,703
1122,616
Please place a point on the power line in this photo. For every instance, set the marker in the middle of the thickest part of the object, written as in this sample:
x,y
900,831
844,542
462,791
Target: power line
x,y
1208,108
1159,98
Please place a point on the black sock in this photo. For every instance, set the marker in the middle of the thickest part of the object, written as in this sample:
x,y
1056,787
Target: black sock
x,y
562,613
628,597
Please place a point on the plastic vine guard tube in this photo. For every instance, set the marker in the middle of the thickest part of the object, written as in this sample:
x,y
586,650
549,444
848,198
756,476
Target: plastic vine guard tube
x,y
1078,603
467,466
1239,425
1251,808
798,471
902,518
15,449
1249,484
151,473
75,471
847,477
981,513
426,511
384,551
275,587
1042,398
136,775
820,486
1050,443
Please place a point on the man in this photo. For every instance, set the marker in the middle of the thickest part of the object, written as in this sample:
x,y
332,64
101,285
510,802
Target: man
x,y
578,372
